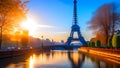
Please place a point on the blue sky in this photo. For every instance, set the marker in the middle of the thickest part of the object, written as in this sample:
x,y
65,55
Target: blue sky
x,y
58,15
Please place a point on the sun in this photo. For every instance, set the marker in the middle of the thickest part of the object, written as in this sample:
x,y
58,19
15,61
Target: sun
x,y
30,25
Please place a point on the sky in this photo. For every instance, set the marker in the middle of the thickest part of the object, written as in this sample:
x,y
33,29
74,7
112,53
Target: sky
x,y
55,17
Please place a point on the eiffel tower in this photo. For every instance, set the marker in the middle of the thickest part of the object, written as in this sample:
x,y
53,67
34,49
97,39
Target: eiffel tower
x,y
75,28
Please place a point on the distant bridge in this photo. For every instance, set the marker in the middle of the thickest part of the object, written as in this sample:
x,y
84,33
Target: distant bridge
x,y
65,47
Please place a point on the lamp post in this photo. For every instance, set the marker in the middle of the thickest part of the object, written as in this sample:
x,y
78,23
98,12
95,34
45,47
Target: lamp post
x,y
52,42
42,41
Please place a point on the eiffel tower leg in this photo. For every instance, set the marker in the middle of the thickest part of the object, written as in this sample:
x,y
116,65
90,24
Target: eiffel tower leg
x,y
81,38
69,40
71,34
79,34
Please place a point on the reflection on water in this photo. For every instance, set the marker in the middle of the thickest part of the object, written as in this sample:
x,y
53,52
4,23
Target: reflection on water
x,y
56,59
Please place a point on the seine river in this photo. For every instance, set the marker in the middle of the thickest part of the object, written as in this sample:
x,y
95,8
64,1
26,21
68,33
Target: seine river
x,y
57,59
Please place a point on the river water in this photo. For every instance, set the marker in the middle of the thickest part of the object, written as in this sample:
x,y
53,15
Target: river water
x,y
56,59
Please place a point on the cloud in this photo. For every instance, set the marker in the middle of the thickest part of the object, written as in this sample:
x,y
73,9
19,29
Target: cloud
x,y
62,32
45,26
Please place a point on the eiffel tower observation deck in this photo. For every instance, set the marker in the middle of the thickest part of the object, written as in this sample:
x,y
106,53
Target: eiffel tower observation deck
x,y
75,28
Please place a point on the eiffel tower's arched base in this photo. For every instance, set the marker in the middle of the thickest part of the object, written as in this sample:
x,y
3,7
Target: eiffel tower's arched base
x,y
75,28
70,40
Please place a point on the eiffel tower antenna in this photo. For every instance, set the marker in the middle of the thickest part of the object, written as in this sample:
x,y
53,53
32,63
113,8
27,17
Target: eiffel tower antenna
x,y
75,28
75,12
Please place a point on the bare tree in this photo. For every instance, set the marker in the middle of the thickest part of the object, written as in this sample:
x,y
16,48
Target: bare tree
x,y
105,21
11,11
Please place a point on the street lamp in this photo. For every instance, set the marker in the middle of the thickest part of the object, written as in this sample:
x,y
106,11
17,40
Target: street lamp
x,y
42,41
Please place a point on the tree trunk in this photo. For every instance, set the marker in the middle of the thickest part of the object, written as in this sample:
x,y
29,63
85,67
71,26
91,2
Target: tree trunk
x,y
107,40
